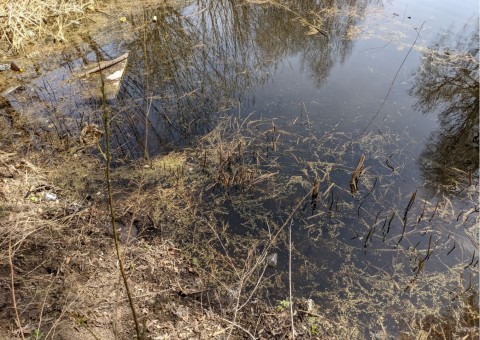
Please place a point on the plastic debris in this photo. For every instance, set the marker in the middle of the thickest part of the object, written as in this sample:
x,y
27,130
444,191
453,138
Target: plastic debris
x,y
116,75
10,67
50,196
272,260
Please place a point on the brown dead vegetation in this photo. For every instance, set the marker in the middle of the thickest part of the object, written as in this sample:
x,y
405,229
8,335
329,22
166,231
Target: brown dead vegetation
x,y
22,22
191,277
57,247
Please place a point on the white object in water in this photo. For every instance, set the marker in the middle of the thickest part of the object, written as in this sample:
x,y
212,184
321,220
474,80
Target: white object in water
x,y
115,75
272,260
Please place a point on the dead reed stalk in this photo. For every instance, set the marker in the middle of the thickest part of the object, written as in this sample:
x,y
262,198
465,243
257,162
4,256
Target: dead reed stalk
x,y
356,173
12,289
290,277
25,21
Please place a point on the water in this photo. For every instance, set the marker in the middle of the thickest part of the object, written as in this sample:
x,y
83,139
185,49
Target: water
x,y
374,84
394,81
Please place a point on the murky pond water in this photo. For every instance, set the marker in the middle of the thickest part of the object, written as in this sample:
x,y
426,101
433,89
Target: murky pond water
x,y
396,82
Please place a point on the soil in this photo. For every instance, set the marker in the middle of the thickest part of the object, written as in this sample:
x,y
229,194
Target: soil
x,y
67,282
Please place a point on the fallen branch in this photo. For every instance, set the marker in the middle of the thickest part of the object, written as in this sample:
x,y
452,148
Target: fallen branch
x,y
310,313
106,64
239,327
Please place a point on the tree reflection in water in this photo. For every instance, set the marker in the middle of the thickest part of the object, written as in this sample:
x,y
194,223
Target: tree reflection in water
x,y
187,67
447,81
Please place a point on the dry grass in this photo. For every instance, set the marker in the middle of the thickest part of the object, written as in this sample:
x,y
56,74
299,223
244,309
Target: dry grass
x,y
25,21
64,270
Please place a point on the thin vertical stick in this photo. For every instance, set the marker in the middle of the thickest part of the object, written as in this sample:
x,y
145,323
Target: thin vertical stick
x,y
12,288
398,71
290,277
391,84
148,103
110,206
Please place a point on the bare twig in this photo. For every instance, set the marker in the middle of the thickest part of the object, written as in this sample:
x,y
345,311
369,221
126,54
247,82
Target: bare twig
x,y
112,213
391,84
290,277
12,288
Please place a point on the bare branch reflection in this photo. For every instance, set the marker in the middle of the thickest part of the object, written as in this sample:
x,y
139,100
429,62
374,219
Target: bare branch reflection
x,y
187,67
447,83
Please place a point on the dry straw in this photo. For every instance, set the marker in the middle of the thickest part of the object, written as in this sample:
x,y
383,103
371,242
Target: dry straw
x,y
25,21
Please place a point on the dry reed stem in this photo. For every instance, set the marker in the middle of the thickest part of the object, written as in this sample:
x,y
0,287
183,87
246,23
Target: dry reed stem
x,y
239,327
356,173
12,288
25,21
290,278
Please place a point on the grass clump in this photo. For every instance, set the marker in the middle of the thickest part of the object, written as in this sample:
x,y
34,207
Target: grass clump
x,y
25,21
